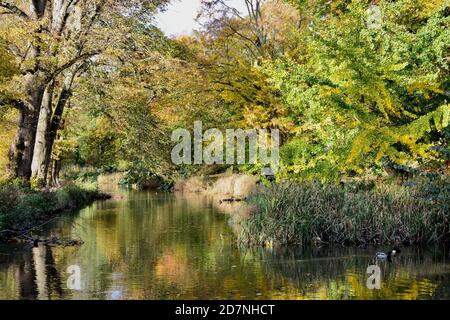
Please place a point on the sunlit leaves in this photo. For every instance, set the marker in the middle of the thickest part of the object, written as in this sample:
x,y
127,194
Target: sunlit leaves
x,y
361,96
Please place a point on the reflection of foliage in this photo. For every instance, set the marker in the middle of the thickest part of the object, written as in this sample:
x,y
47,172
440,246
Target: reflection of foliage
x,y
414,275
161,247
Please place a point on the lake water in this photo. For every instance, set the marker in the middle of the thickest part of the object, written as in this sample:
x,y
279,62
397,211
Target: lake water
x,y
168,246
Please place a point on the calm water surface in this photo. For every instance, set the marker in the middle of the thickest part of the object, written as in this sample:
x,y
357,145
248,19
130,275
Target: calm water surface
x,y
165,246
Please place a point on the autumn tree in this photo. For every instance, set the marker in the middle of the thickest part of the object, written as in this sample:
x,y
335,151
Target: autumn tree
x,y
53,40
237,44
364,95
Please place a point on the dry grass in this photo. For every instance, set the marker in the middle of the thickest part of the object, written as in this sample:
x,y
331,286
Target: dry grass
x,y
231,186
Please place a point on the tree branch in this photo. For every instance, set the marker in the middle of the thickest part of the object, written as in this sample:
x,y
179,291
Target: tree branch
x,y
17,104
71,62
12,9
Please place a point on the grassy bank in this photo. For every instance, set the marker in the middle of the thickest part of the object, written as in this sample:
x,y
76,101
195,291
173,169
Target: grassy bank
x,y
22,209
311,213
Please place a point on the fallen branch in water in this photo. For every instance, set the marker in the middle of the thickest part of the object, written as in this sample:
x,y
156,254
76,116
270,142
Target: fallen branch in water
x,y
232,200
25,237
56,242
19,234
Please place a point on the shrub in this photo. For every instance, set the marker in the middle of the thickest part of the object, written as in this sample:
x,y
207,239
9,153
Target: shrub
x,y
19,210
9,199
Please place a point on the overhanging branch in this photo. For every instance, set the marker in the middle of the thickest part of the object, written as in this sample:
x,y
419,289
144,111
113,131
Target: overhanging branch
x,y
71,62
17,104
12,9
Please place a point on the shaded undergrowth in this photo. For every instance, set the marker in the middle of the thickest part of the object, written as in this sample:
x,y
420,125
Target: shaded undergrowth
x,y
22,209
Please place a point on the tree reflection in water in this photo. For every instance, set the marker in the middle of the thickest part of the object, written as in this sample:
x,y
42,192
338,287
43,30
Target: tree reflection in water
x,y
164,246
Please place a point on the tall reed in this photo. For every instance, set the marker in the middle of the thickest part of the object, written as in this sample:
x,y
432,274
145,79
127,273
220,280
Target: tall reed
x,y
311,213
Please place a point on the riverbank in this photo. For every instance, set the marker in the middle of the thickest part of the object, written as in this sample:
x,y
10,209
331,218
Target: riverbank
x,y
23,210
225,187
354,214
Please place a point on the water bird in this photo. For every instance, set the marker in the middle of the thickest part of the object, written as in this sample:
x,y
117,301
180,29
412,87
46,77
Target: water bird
x,y
116,295
392,253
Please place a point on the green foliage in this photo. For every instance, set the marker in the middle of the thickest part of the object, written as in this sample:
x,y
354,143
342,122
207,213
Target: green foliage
x,y
22,208
384,142
8,69
7,66
123,115
251,100
360,96
347,96
89,141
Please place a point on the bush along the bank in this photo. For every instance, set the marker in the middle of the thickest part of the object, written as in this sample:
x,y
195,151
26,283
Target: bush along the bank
x,y
22,209
354,214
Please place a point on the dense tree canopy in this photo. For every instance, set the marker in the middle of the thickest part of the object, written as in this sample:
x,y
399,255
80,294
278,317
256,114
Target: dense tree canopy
x,y
363,96
354,86
53,41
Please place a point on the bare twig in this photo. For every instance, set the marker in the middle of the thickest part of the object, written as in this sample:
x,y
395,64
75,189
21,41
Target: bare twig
x,y
12,9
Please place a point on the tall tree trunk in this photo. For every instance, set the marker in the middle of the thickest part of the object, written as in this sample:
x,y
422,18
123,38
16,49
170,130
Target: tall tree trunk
x,y
58,19
20,153
46,124
40,145
55,123
22,149
54,175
